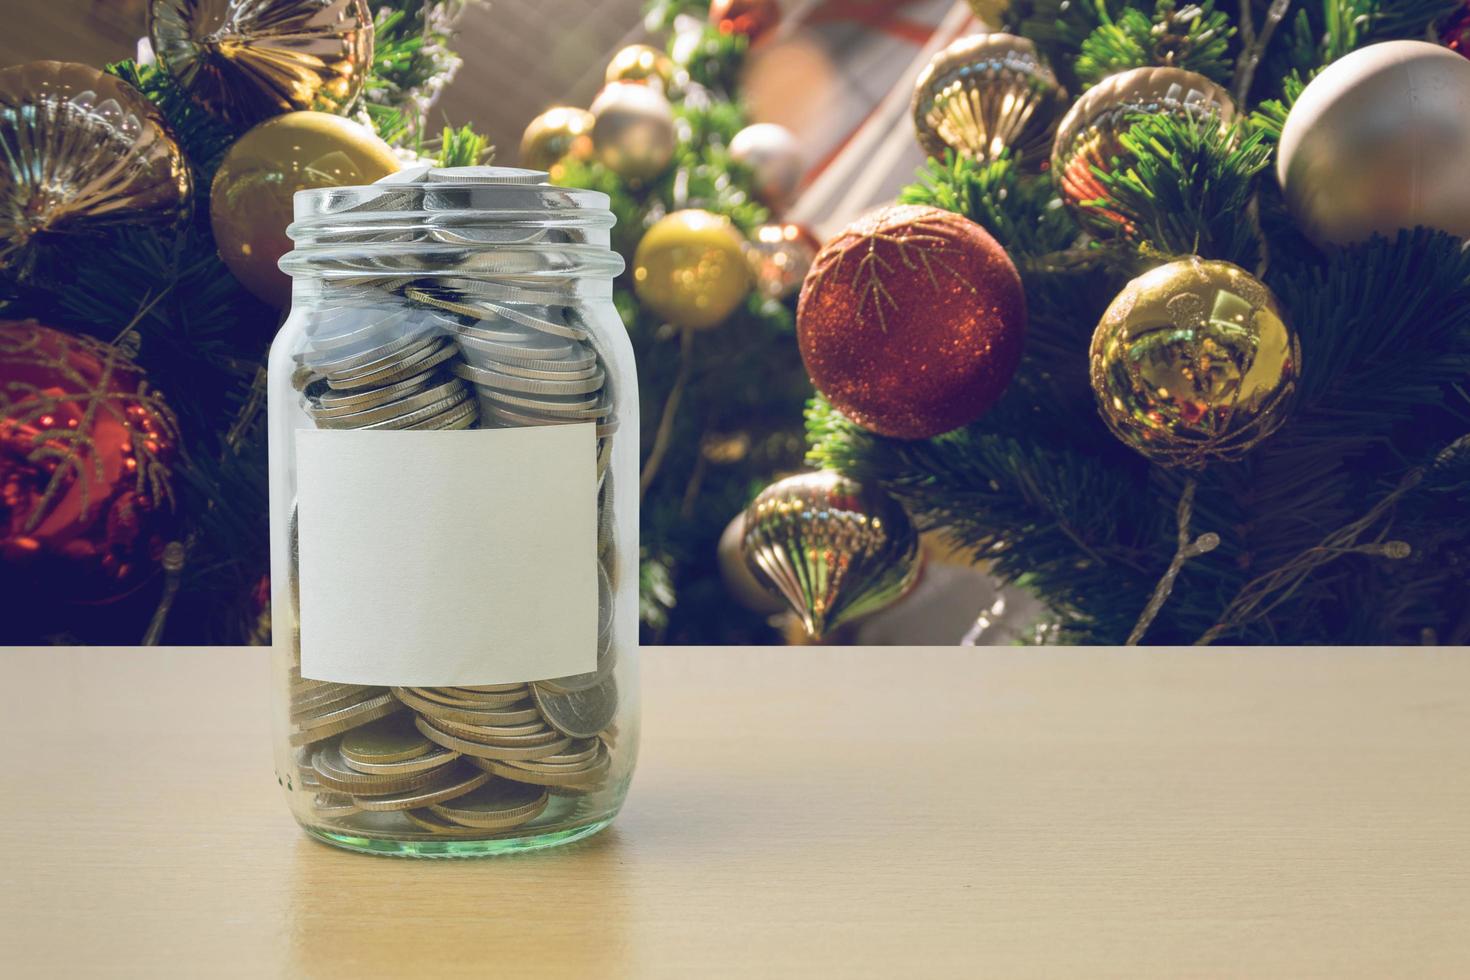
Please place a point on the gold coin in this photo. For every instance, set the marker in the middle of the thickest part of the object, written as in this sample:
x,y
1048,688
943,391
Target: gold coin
x,y
325,700
456,698
581,751
432,822
483,751
335,774
534,733
458,781
333,805
344,719
518,712
497,805
574,778
391,739
432,759
489,688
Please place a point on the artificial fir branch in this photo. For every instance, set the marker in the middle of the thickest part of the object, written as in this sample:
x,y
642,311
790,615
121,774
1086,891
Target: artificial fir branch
x,y
1194,37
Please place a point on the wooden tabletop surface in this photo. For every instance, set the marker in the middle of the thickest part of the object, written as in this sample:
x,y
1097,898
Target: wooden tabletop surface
x,y
797,813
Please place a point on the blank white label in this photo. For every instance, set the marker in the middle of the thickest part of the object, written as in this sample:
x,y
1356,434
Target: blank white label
x,y
441,558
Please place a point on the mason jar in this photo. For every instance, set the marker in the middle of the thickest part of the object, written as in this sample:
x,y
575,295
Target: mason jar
x,y
454,516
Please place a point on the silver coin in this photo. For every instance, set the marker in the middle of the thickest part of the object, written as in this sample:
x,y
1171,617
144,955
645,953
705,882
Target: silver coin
x,y
396,368
485,175
423,416
433,759
345,402
335,774
450,388
545,370
452,781
579,714
497,805
412,174
399,345
461,416
479,750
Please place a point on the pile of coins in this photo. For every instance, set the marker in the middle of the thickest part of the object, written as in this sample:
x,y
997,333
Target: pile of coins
x,y
483,349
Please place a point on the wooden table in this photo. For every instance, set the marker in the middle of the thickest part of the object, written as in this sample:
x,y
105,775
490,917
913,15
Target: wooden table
x,y
797,813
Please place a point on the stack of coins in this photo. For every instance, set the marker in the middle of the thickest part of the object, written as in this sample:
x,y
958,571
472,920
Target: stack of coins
x,y
484,348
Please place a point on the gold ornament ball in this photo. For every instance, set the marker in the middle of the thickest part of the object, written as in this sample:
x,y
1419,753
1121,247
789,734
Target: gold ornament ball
x,y
780,255
82,150
642,63
1194,362
250,200
633,130
984,94
248,60
990,12
1380,141
690,269
559,133
1089,136
833,549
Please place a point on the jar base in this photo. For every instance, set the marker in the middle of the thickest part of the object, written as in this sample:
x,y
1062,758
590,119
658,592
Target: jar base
x,y
431,849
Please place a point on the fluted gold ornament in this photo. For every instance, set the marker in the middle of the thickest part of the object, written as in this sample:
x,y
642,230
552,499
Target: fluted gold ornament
x,y
559,133
1193,362
633,130
1379,141
832,548
250,199
80,149
1088,136
984,94
641,63
248,60
690,269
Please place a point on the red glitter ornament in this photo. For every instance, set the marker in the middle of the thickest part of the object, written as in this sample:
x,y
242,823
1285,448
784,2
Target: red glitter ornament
x,y
911,321
1454,30
85,452
753,18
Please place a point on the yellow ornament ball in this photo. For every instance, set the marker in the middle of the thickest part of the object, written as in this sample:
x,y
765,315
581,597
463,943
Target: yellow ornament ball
x,y
1194,362
690,269
641,63
250,199
559,133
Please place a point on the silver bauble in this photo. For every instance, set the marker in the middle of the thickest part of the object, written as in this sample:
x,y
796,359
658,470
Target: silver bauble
x,y
773,156
633,130
1378,142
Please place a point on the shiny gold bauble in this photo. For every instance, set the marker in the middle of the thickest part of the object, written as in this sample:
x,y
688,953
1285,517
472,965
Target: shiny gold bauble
x,y
984,94
248,60
780,255
633,130
559,133
740,579
250,200
641,63
1380,141
1194,362
690,269
81,150
833,549
1088,137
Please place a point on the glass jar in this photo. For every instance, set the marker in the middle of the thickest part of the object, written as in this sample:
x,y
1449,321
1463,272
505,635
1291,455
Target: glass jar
x,y
454,516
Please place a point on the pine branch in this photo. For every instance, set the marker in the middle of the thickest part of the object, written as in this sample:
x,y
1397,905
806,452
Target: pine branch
x,y
1196,37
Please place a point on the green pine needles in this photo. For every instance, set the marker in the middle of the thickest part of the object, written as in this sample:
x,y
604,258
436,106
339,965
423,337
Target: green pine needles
x,y
1349,524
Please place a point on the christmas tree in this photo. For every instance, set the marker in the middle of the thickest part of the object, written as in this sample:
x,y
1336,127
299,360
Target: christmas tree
x,y
111,236
721,395
1304,477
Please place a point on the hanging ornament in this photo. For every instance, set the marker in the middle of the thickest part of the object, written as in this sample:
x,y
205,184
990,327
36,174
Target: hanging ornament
x,y
780,255
773,156
752,18
641,63
984,94
250,200
738,575
1088,136
1194,362
833,549
86,450
1454,30
633,130
990,12
557,134
911,321
248,60
690,269
81,149
1378,142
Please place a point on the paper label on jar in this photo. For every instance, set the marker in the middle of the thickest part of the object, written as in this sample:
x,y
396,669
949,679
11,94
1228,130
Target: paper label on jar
x,y
444,558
